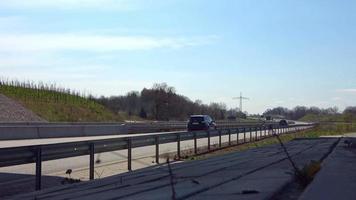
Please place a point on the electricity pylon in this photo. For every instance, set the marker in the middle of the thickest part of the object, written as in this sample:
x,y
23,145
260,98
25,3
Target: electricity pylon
x,y
241,98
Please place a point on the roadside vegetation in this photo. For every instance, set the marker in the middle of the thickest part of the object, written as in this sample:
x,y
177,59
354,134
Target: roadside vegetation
x,y
314,114
56,104
161,102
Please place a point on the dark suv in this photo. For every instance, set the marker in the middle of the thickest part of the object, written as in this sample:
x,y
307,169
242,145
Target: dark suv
x,y
283,122
200,122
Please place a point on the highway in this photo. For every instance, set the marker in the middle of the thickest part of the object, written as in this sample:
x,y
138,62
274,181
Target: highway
x,y
252,174
21,177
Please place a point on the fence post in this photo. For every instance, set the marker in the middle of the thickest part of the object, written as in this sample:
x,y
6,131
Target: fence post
x,y
195,144
178,145
157,149
91,161
129,154
38,167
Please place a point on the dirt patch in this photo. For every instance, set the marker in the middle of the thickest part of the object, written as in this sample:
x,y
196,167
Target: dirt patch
x,y
12,111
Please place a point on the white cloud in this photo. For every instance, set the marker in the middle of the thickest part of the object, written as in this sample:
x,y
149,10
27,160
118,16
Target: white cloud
x,y
94,43
348,90
336,98
69,4
279,102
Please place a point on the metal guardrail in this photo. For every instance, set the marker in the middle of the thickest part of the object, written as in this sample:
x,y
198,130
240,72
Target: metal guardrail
x,y
38,153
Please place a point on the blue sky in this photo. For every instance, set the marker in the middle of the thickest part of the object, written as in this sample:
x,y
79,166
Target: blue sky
x,y
277,52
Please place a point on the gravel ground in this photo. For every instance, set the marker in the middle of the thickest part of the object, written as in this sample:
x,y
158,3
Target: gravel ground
x,y
12,111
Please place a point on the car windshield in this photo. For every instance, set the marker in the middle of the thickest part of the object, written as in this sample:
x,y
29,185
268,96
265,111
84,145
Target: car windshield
x,y
196,119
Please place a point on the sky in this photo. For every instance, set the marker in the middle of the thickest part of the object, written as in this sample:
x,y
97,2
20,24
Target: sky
x,y
276,52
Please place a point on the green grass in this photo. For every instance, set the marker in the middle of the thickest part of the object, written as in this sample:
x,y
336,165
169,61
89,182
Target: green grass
x,y
328,118
55,106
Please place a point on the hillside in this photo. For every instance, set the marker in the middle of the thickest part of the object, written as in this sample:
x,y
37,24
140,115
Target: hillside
x,y
57,105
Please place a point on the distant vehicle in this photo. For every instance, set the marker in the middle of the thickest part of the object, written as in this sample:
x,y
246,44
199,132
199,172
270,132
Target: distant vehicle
x,y
291,122
231,118
283,122
200,122
269,118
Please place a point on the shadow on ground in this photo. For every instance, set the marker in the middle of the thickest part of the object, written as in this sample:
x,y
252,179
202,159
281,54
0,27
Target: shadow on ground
x,y
14,184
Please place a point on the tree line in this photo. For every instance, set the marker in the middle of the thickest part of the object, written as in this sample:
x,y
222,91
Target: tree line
x,y
161,102
301,111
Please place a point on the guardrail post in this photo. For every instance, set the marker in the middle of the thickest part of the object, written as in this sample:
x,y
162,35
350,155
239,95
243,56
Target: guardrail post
x,y
38,168
219,138
208,140
91,161
244,135
250,135
229,132
129,154
195,144
157,149
256,133
237,136
264,129
178,145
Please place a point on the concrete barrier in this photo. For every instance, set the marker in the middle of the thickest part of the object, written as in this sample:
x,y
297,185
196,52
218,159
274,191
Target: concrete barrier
x,y
37,130
13,133
57,131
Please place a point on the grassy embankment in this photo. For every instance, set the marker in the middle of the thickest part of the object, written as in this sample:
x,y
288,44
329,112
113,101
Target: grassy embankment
x,y
341,118
59,106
